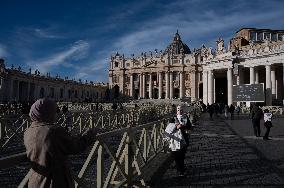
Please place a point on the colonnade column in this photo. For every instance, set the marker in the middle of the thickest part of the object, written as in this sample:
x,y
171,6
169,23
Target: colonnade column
x,y
122,84
256,77
150,86
205,83
268,97
131,85
181,85
140,85
273,83
171,86
143,85
230,86
167,85
210,87
160,85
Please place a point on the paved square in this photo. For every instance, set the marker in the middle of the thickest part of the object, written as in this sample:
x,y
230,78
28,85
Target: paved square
x,y
223,153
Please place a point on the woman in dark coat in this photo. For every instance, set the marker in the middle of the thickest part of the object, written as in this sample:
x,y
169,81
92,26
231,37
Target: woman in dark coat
x,y
48,146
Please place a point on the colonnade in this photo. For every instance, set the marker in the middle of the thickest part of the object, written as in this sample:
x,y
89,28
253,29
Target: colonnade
x,y
270,83
24,90
165,84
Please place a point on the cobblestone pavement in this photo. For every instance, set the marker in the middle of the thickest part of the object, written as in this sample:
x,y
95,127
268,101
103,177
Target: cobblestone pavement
x,y
224,153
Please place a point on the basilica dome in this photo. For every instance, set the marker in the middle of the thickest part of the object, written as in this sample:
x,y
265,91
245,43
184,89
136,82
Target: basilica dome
x,y
177,46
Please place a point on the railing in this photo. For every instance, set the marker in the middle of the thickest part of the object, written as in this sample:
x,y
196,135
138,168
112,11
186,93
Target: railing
x,y
120,165
13,126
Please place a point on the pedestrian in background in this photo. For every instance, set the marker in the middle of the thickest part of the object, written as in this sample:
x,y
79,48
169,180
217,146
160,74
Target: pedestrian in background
x,y
232,110
256,115
238,110
267,116
226,109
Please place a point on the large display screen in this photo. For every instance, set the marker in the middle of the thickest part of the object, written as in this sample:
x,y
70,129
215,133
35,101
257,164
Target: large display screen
x,y
248,92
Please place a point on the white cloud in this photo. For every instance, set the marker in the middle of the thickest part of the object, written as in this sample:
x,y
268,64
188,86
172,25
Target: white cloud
x,y
158,33
45,33
76,51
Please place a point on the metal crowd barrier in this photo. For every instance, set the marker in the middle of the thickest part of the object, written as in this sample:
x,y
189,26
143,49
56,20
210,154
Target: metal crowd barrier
x,y
13,126
137,147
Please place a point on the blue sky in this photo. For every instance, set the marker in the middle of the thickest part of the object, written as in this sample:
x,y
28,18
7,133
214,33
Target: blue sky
x,y
76,38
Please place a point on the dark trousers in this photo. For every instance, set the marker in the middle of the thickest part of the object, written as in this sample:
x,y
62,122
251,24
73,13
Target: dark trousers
x,y
179,159
232,115
211,115
268,126
256,126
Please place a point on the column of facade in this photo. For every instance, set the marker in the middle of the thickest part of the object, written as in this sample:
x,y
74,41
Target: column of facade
x,y
256,76
205,83
171,86
160,84
181,85
140,85
122,84
273,83
230,86
131,85
167,75
150,86
238,83
214,90
268,97
143,85
210,87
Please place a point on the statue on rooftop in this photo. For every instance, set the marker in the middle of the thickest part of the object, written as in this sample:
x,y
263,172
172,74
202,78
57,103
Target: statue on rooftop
x,y
220,46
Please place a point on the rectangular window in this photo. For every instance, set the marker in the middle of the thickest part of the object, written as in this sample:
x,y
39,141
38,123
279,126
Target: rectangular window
x,y
253,36
280,36
61,93
51,92
259,36
154,77
274,36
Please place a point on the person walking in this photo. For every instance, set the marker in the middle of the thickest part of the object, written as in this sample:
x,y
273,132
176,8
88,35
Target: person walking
x,y
211,111
232,110
226,109
177,144
256,115
267,116
238,110
48,145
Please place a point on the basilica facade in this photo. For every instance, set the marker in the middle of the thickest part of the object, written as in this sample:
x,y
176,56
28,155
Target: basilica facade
x,y
253,56
175,72
17,85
